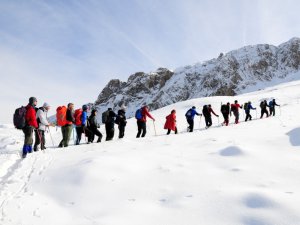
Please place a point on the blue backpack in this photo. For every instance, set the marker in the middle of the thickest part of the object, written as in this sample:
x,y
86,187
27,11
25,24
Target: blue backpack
x,y
138,114
271,104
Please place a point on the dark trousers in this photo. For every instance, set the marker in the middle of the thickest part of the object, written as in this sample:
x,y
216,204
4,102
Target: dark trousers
x,y
39,139
66,133
237,117
141,129
191,125
110,131
28,132
96,132
121,130
169,131
248,116
87,132
208,121
264,111
272,111
226,118
27,148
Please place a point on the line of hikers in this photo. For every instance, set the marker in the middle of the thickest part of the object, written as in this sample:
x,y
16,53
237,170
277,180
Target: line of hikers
x,y
31,120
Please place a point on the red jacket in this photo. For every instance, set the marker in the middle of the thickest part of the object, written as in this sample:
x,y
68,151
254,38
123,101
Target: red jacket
x,y
237,106
171,122
210,110
30,116
145,113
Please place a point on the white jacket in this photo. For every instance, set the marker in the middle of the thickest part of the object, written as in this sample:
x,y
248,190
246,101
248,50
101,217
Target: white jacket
x,y
42,115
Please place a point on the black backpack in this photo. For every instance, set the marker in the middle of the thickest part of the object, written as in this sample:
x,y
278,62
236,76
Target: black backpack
x,y
105,116
246,106
19,118
205,110
223,109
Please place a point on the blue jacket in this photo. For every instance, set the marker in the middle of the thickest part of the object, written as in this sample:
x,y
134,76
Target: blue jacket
x,y
190,114
249,107
84,118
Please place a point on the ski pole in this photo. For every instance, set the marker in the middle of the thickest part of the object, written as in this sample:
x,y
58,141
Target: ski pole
x,y
73,134
279,110
51,138
84,135
154,128
39,135
200,122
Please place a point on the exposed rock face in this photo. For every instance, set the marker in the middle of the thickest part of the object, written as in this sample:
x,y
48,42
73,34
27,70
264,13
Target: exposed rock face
x,y
229,74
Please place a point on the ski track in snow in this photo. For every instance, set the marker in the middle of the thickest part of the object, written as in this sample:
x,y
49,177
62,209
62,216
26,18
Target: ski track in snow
x,y
211,176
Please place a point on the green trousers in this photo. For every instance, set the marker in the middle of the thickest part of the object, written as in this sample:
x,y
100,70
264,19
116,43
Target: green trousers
x,y
66,133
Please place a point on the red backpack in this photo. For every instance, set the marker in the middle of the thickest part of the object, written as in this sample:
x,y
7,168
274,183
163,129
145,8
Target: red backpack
x,y
61,115
77,115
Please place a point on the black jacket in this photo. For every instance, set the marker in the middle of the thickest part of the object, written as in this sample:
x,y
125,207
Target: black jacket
x,y
70,116
93,123
122,117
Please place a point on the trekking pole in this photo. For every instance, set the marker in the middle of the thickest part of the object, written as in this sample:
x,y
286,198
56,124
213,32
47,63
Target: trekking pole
x,y
279,110
73,134
154,128
200,122
39,135
51,137
85,135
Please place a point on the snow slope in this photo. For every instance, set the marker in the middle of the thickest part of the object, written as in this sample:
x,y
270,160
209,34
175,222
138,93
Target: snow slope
x,y
246,174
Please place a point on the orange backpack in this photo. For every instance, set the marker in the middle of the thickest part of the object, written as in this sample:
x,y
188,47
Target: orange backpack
x,y
61,115
77,115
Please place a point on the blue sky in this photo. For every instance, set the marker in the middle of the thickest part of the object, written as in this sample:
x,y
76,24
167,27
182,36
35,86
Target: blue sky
x,y
67,50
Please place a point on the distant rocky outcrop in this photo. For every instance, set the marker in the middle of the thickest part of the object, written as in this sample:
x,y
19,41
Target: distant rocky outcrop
x,y
233,73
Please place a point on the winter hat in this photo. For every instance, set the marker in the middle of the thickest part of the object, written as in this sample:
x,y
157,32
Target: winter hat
x,y
194,107
84,107
94,111
32,100
46,105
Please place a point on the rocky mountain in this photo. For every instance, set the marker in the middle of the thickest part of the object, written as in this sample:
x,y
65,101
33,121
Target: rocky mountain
x,y
247,69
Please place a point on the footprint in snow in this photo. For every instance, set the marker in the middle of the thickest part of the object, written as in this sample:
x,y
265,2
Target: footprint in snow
x,y
254,221
258,201
231,151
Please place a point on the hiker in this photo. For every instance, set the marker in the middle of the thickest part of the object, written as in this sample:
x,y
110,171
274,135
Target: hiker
x,y
272,105
225,110
207,111
108,117
141,116
93,126
67,125
263,105
235,109
190,114
31,124
247,107
171,122
81,122
43,124
121,121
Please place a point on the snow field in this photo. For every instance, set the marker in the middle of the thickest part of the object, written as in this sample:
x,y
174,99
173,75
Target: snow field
x,y
241,174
